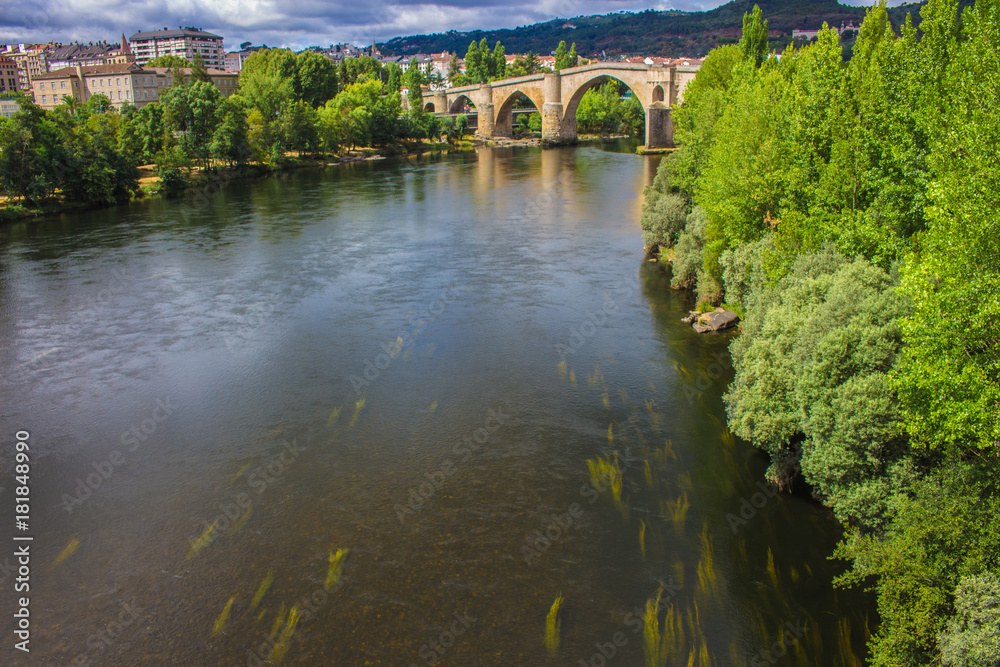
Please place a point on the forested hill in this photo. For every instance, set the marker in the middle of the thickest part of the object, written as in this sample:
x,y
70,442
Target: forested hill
x,y
653,33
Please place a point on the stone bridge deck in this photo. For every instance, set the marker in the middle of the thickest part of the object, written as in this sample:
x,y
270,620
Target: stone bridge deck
x,y
557,95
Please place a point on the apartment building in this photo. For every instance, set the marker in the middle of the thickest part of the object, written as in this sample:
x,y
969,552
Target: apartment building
x,y
120,83
183,42
8,75
31,62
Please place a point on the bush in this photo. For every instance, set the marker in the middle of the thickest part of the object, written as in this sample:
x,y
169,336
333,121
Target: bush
x,y
972,638
663,218
687,262
811,384
172,179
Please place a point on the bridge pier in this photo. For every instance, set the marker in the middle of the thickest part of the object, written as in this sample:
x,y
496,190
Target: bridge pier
x,y
659,126
486,122
552,109
441,101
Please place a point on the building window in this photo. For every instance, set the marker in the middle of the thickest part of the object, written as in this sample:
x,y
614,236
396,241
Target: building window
x,y
43,99
62,84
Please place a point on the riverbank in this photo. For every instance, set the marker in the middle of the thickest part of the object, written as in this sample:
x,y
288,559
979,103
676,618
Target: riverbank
x,y
150,184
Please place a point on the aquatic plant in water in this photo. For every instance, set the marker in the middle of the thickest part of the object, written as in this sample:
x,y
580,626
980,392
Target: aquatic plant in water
x,y
676,510
202,542
67,552
334,416
336,568
606,475
642,537
262,590
655,642
358,407
223,620
284,640
553,626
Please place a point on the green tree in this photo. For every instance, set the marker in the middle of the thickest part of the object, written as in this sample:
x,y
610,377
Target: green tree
x,y
198,70
413,79
474,70
30,153
753,42
948,379
230,142
461,125
192,111
566,58
498,69
299,127
315,79
169,61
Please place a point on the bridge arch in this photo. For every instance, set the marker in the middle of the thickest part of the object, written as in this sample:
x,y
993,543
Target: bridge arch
x,y
504,124
458,106
658,93
568,125
429,107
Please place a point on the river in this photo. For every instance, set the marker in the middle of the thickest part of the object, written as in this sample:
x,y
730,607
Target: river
x,y
413,360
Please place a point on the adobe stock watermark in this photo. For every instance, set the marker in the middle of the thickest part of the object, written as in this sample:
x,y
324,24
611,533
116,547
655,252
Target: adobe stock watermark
x,y
415,322
463,451
597,317
236,510
102,639
308,606
133,438
749,507
635,620
433,650
557,526
789,635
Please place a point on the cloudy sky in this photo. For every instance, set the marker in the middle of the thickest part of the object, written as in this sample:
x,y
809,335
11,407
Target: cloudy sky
x,y
292,23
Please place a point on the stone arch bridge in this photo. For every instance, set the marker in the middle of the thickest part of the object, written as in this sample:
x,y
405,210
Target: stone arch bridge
x,y
557,95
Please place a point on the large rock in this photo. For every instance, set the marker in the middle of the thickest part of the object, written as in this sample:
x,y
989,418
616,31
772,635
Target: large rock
x,y
718,320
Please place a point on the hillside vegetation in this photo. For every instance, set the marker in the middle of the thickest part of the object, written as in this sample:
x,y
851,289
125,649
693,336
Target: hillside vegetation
x,y
649,33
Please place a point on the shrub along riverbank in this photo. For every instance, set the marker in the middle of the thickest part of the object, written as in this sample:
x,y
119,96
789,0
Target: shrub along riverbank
x,y
852,211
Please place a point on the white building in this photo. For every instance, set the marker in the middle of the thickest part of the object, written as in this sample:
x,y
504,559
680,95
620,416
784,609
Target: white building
x,y
183,42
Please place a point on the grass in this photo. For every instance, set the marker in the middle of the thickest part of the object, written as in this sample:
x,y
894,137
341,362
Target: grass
x,y
553,626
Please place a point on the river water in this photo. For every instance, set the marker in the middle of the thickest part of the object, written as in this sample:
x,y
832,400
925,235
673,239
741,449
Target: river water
x,y
413,360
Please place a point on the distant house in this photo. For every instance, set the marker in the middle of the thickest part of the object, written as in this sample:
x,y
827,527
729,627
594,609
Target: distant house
x,y
8,76
804,34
